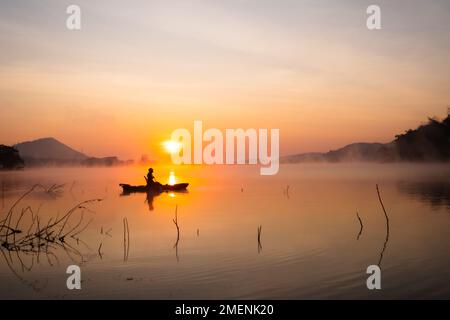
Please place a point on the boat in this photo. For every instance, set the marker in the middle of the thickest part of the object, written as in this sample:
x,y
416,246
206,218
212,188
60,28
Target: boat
x,y
163,188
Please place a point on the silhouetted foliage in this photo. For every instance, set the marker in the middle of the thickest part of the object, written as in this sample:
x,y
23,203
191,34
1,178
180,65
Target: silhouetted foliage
x,y
10,158
429,142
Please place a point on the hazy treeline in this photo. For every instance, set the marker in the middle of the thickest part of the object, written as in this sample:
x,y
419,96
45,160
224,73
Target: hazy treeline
x,y
429,142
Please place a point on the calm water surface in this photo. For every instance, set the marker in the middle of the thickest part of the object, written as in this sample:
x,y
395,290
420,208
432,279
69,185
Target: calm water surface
x,y
309,241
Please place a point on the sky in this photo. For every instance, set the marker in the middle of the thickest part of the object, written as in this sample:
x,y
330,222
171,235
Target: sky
x,y
138,70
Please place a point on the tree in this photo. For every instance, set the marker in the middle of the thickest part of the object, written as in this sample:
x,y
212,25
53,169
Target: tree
x,y
10,158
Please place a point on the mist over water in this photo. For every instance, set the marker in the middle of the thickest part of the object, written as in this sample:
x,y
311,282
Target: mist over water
x,y
309,245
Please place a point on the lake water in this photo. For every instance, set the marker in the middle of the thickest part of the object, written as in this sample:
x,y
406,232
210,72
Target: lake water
x,y
309,245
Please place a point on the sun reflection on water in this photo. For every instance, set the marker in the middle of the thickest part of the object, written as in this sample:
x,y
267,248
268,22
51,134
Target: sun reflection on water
x,y
172,179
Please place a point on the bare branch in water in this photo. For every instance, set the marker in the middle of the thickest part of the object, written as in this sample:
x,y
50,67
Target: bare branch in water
x,y
108,233
175,221
100,250
126,239
36,237
10,212
259,239
81,230
387,227
361,224
382,206
3,194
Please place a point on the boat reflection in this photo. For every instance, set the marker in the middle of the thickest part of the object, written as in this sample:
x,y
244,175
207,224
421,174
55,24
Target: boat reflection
x,y
151,195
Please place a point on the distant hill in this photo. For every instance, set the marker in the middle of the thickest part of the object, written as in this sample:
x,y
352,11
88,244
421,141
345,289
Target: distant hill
x,y
48,148
51,152
353,152
429,142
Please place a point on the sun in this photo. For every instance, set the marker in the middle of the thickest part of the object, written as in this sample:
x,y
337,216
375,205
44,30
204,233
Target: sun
x,y
172,146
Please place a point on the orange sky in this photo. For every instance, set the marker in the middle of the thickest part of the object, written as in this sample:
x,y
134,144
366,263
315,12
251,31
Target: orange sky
x,y
134,73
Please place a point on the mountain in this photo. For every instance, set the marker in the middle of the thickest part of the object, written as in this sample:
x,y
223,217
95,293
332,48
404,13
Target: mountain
x,y
51,152
48,148
362,151
353,152
428,142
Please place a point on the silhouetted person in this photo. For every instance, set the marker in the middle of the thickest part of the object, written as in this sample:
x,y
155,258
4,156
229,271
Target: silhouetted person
x,y
150,178
151,182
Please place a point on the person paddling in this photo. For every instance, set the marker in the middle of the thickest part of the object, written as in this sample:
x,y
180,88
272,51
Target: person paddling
x,y
150,179
153,186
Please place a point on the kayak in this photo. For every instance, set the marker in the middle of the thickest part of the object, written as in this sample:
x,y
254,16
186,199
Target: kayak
x,y
163,188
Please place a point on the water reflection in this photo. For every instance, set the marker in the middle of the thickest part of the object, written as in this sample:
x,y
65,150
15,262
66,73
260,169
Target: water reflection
x,y
151,195
310,244
27,236
149,200
435,193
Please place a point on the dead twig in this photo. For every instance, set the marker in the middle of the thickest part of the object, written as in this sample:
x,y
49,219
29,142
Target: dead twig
x,y
108,232
100,250
3,194
39,238
126,239
175,221
387,227
259,239
361,225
